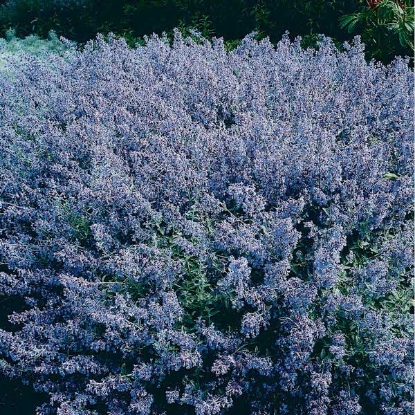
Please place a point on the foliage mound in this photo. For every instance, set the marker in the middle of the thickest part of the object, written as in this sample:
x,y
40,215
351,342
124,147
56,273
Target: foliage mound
x,y
31,45
189,230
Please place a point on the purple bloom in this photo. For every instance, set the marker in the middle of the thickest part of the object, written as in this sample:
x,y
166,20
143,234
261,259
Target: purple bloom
x,y
225,231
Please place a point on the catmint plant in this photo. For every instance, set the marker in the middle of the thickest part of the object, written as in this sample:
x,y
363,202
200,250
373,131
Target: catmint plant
x,y
189,230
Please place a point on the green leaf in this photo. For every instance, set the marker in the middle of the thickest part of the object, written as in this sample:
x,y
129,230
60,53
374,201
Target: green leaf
x,y
402,39
349,21
409,26
390,176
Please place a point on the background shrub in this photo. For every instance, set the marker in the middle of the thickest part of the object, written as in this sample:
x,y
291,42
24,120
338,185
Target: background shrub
x,y
386,27
190,230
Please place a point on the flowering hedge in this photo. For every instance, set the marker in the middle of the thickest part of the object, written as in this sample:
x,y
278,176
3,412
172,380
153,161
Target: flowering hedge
x,y
186,230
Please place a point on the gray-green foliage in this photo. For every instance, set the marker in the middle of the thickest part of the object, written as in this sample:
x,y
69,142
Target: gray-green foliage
x,y
32,45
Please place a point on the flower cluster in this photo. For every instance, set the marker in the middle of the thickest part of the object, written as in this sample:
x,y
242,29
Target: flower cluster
x,y
189,230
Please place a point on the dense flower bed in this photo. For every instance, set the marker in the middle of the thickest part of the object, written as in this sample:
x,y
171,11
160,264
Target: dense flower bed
x,y
185,230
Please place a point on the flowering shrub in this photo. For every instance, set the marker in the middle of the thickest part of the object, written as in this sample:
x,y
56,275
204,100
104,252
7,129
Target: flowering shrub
x,y
186,230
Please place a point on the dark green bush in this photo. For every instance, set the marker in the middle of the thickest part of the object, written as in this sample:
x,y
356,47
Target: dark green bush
x,y
386,30
386,27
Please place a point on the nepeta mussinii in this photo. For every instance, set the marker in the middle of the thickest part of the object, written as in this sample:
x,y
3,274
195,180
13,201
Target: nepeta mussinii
x,y
186,230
